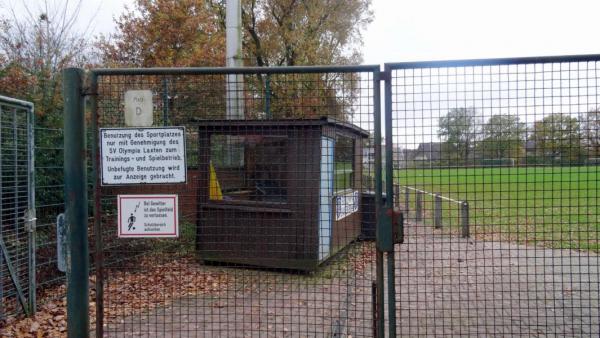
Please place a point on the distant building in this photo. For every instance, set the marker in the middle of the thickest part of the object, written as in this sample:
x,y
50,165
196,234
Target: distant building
x,y
399,158
530,148
428,152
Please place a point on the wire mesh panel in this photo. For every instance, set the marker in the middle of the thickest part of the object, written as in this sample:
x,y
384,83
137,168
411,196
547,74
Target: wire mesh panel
x,y
497,163
49,184
17,287
270,214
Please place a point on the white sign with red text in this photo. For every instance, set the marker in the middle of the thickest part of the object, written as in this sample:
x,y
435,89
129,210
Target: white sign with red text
x,y
148,216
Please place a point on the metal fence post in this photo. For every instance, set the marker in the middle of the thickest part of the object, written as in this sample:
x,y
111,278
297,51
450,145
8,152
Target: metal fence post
x,y
76,204
464,215
97,211
406,201
389,175
419,207
379,233
165,98
437,213
1,213
31,214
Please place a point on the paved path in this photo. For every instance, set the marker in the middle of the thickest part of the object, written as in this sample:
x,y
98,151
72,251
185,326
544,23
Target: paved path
x,y
445,285
448,285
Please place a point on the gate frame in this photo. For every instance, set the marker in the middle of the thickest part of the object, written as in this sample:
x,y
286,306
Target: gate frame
x,y
76,91
29,305
387,217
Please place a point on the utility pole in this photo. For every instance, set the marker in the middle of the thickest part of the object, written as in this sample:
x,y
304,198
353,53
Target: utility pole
x,y
233,53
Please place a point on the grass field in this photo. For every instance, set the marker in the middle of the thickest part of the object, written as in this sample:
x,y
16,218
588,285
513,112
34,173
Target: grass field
x,y
554,207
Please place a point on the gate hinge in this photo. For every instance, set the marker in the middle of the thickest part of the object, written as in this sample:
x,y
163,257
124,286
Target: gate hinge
x,y
385,75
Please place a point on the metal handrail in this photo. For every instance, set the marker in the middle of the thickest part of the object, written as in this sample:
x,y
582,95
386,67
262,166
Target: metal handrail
x,y
433,194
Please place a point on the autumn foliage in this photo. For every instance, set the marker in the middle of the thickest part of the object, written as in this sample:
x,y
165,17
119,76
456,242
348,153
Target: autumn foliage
x,y
159,33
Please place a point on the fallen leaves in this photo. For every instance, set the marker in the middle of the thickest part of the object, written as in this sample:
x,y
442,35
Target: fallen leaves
x,y
150,283
157,284
364,257
49,321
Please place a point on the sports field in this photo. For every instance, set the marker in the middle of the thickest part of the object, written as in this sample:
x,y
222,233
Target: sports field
x,y
554,207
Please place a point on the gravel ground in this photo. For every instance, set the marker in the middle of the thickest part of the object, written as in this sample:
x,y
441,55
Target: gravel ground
x,y
446,286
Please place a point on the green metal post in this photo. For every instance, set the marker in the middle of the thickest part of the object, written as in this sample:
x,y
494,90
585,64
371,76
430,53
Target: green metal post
x,y
389,184
76,204
378,205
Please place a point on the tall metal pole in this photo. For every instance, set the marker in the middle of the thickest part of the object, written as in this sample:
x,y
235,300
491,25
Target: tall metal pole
x,y
76,204
97,212
233,54
389,185
31,214
378,206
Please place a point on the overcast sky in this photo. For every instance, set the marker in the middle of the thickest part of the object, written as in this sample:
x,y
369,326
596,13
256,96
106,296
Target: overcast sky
x,y
457,29
443,29
422,30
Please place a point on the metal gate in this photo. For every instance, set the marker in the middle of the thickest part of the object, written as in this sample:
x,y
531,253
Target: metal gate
x,y
490,180
495,165
17,208
275,201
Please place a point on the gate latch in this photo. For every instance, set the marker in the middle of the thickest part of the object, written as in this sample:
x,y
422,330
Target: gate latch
x,y
397,224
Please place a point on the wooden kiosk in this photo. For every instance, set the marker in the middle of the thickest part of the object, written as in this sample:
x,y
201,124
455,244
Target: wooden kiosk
x,y
278,193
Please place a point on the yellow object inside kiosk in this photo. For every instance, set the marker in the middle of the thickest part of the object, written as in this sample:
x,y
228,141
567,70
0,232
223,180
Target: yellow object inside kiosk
x,y
215,192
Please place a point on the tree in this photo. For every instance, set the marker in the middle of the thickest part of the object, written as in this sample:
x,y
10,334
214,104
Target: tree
x,y
459,129
304,32
557,137
165,33
301,32
590,132
503,137
35,47
276,32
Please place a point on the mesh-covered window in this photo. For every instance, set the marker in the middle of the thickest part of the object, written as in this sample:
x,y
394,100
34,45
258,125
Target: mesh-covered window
x,y
248,168
344,163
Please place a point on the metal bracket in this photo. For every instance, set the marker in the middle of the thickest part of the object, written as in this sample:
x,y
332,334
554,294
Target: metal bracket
x,y
30,220
385,75
383,231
